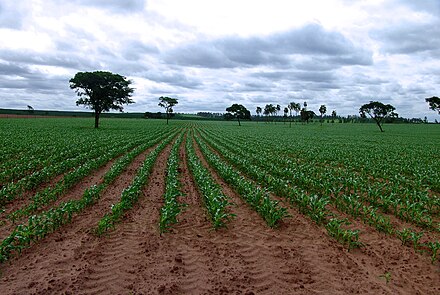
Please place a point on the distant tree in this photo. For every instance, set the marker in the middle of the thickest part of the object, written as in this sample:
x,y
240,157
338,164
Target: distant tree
x,y
378,112
294,107
306,115
167,103
266,112
286,111
269,109
277,109
333,116
434,103
322,110
30,109
291,107
101,91
258,111
239,112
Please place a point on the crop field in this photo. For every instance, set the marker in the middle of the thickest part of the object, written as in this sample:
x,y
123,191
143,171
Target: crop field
x,y
200,207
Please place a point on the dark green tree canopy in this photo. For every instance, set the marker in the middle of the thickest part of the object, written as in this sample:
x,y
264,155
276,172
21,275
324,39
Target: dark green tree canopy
x,y
269,109
168,103
101,91
239,111
434,103
377,111
258,110
307,115
322,109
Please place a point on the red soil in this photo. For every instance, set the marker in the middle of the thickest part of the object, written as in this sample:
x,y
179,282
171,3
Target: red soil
x,y
245,258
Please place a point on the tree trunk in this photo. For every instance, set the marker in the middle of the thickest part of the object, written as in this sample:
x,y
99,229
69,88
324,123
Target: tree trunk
x,y
238,121
97,119
380,127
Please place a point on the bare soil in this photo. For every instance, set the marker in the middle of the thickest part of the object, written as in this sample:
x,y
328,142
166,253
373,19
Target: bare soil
x,y
247,257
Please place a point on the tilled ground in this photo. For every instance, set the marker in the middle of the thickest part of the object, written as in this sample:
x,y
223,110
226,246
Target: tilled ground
x,y
245,258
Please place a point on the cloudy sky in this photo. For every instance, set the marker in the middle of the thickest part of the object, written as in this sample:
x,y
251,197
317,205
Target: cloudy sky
x,y
212,53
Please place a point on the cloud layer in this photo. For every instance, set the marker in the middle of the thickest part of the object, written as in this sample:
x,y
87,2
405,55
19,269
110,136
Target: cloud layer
x,y
342,56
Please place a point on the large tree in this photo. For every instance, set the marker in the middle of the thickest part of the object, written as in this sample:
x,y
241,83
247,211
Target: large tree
x,y
239,112
434,103
168,103
101,91
378,112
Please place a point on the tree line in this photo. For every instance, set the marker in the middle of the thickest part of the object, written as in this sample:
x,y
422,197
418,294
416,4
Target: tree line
x,y
103,91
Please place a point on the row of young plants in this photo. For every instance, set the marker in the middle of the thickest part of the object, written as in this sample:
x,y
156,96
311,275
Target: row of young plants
x,y
396,188
382,195
257,197
316,183
12,190
131,194
171,207
50,194
215,201
311,205
40,225
50,154
352,204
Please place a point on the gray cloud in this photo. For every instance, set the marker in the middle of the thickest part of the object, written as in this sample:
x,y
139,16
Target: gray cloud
x,y
13,69
275,50
173,78
410,38
116,6
61,59
135,49
298,76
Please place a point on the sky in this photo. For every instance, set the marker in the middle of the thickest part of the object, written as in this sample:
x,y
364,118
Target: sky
x,y
210,54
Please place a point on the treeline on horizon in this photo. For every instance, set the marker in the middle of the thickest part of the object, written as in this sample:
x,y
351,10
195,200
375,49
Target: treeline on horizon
x,y
208,116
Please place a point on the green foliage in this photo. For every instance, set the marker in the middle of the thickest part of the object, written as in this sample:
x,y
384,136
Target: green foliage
x,y
434,247
239,111
386,276
168,103
378,112
254,195
40,225
307,115
215,201
131,194
171,207
101,91
434,103
346,236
